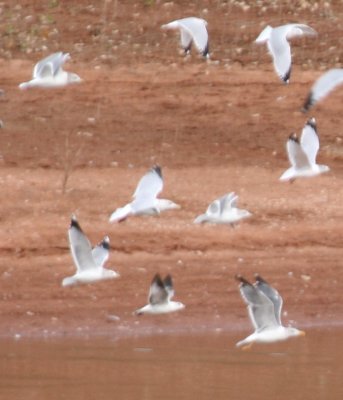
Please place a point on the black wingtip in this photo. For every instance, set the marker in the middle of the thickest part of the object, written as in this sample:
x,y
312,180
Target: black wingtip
x,y
105,243
158,281
74,223
293,136
259,279
287,76
168,281
242,280
158,170
308,103
312,123
206,51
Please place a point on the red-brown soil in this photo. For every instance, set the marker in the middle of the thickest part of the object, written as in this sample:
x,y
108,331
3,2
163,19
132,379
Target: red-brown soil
x,y
213,127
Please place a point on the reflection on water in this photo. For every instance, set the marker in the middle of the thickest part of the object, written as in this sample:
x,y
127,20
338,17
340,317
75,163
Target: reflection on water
x,y
204,367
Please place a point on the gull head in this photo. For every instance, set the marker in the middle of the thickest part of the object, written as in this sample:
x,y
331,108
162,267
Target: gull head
x,y
164,204
323,168
200,219
293,332
69,281
244,213
73,78
108,274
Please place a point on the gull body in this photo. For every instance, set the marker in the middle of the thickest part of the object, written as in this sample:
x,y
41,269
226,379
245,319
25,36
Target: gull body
x,y
145,201
323,86
279,48
223,211
48,73
89,262
264,308
160,295
192,30
302,154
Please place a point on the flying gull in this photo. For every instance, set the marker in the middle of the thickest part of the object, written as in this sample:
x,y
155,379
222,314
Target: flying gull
x,y
302,154
145,201
48,73
89,262
323,86
192,30
264,307
160,295
223,211
279,48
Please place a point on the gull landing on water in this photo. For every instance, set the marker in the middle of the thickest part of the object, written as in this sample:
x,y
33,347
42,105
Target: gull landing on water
x,y
323,86
264,306
302,154
89,262
279,48
160,295
48,73
223,211
145,200
192,30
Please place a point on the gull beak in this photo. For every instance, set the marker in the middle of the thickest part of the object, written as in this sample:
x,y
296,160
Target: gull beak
x,y
302,333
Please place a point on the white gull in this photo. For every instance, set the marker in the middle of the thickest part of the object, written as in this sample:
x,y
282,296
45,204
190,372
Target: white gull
x,y
223,211
264,307
279,48
302,154
160,295
145,201
323,86
192,30
89,262
48,73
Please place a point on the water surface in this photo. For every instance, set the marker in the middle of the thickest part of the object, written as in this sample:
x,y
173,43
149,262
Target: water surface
x,y
200,367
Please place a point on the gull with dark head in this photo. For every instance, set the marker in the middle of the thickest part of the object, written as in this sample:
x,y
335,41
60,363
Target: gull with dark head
x,y
160,295
279,48
89,262
323,86
302,154
145,201
48,73
192,30
223,211
264,307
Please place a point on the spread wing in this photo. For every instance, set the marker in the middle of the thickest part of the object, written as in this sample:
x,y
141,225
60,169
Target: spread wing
x,y
157,294
50,65
260,307
168,285
101,252
196,29
296,154
80,247
281,53
323,86
228,202
309,140
213,210
272,294
148,188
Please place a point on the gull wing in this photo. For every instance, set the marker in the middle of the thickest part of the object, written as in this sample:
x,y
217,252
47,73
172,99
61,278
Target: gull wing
x,y
101,252
281,53
294,30
260,307
80,247
50,65
196,28
264,36
157,293
150,185
214,209
309,140
296,155
121,213
168,285
228,202
272,294
323,86
186,38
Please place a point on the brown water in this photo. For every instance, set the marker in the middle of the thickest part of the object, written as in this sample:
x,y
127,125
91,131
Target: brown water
x,y
201,367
